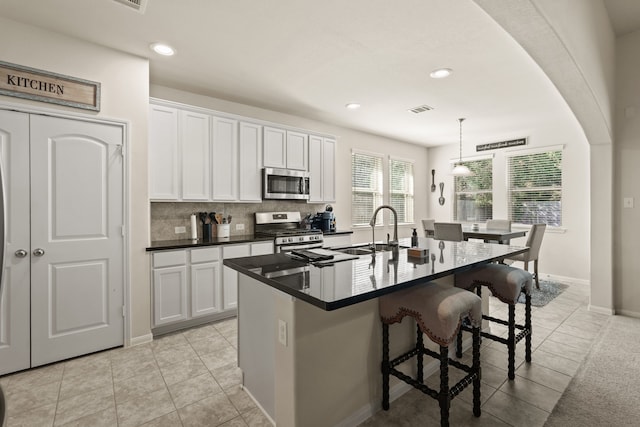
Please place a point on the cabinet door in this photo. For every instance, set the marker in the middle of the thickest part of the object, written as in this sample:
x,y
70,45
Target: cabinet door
x,y
297,150
328,170
225,161
230,276
169,295
250,176
163,153
194,148
315,169
262,248
275,146
205,289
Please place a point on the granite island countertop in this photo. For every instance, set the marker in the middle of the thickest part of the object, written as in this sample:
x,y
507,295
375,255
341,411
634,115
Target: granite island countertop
x,y
341,284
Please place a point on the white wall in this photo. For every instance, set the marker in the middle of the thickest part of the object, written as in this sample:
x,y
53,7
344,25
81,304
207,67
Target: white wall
x,y
347,139
627,176
124,84
573,237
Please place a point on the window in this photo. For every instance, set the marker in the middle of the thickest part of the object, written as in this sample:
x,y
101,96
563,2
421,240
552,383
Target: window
x,y
366,187
474,194
535,188
401,189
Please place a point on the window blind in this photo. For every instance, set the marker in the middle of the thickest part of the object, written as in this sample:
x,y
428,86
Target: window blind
x,y
401,189
366,187
535,188
474,194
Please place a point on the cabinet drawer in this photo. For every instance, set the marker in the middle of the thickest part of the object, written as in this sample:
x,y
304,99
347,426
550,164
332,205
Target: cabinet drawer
x,y
205,255
165,259
262,248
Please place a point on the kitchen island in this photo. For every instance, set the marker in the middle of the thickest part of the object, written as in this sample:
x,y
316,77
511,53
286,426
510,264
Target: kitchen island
x,y
309,336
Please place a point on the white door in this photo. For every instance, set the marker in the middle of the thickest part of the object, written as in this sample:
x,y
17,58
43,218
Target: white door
x,y
77,242
14,299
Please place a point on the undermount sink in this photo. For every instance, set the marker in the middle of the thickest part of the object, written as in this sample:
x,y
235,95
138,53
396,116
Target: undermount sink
x,y
355,251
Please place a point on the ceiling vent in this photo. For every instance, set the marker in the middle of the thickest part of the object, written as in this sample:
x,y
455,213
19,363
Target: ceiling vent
x,y
420,109
139,5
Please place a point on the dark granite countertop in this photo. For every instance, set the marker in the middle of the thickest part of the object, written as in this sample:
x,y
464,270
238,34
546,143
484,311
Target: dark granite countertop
x,y
337,232
161,245
349,282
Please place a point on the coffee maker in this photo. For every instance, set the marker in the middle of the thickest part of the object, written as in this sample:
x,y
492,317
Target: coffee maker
x,y
325,221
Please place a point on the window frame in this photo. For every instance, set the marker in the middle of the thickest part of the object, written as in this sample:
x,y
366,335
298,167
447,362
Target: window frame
x,y
489,191
409,195
376,192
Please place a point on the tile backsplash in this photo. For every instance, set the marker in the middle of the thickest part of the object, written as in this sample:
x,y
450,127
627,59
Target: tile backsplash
x,y
166,216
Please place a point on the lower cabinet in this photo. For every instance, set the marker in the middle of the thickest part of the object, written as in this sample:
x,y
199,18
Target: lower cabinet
x,y
191,286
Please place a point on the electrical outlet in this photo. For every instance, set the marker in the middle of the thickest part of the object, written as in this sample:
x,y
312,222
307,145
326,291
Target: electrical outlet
x,y
628,202
282,332
239,227
181,230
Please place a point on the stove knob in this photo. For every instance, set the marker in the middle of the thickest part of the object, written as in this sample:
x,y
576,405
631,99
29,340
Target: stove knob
x,y
301,238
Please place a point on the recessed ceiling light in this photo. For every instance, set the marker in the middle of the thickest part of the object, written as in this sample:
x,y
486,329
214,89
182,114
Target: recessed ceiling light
x,y
352,106
441,73
163,49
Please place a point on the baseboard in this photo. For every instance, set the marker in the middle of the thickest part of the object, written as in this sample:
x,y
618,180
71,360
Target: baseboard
x,y
628,313
258,405
565,279
142,339
605,310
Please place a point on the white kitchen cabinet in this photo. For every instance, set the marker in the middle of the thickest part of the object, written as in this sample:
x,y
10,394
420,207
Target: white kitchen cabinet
x,y
169,287
205,286
194,144
230,277
224,163
322,186
275,148
297,151
250,162
262,248
163,153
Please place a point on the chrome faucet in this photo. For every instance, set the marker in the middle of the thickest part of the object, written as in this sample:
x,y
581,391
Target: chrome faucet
x,y
372,223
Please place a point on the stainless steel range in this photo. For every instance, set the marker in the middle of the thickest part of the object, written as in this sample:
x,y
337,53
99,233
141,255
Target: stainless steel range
x,y
285,229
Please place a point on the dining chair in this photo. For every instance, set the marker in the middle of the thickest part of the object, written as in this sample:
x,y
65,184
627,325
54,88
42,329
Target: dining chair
x,y
534,241
451,231
427,226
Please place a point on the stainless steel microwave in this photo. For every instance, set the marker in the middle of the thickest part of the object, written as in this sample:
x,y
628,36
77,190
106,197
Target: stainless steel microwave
x,y
285,184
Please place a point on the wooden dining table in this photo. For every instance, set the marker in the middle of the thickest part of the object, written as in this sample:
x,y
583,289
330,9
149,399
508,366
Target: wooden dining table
x,y
488,234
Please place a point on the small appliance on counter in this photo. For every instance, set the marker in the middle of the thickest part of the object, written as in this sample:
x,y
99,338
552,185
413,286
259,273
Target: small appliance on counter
x,y
325,221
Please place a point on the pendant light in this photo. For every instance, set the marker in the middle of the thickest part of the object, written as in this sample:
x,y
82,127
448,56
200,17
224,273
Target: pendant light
x,y
459,169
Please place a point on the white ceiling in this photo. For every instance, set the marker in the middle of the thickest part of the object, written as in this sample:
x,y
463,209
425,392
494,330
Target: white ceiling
x,y
310,58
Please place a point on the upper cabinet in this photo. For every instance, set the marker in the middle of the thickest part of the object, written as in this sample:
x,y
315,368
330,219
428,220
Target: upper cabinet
x,y
322,184
163,153
197,154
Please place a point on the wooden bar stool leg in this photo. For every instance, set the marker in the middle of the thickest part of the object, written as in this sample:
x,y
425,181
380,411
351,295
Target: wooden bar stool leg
x,y
385,367
511,341
476,367
527,326
459,344
444,399
420,355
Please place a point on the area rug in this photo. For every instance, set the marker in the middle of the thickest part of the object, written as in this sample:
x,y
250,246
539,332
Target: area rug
x,y
604,391
547,292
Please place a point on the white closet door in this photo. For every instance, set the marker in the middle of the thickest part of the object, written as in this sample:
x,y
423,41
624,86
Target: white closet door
x,y
14,298
77,245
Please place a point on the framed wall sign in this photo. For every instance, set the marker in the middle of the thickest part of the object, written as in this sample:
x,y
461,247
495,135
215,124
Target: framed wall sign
x,y
501,144
38,85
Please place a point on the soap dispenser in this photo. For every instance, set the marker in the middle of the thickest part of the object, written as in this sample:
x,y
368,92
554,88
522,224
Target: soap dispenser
x,y
414,239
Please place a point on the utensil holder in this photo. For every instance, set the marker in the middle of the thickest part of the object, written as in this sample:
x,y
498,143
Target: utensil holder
x,y
223,230
206,232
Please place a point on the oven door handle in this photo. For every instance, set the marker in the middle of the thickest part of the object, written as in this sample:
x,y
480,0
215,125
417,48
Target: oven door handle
x,y
287,248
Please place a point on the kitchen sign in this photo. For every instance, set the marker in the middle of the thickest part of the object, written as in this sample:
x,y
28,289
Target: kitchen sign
x,y
44,86
501,144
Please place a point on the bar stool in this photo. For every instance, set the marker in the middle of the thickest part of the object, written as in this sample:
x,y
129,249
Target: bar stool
x,y
438,311
506,283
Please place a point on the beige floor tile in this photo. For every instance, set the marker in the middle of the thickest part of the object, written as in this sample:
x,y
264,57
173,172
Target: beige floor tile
x,y
42,416
84,366
532,392
141,353
576,342
183,370
563,350
210,344
138,386
211,411
514,411
165,341
194,389
144,408
27,380
174,354
79,384
545,376
106,418
255,418
227,327
240,398
131,367
588,334
228,375
498,358
220,358
556,363
236,422
201,332
84,404
169,420
26,400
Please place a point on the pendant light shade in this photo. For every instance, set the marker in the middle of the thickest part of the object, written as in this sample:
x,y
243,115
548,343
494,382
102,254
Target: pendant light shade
x,y
459,169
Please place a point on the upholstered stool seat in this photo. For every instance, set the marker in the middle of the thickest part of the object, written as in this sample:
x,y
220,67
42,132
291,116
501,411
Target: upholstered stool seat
x,y
506,283
438,311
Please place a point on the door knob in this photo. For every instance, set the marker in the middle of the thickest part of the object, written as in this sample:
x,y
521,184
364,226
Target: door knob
x,y
38,252
21,253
